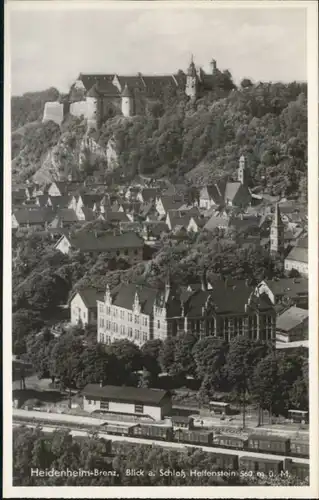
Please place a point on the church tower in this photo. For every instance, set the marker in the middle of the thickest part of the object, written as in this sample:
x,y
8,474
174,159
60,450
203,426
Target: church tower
x,y
127,102
191,81
242,173
277,233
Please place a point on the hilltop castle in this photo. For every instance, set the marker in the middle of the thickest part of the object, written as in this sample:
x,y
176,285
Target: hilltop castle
x,y
99,97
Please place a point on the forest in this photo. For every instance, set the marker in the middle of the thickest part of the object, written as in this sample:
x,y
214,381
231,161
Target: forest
x,y
60,451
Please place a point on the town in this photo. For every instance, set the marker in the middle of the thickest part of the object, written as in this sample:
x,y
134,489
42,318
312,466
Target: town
x,y
160,274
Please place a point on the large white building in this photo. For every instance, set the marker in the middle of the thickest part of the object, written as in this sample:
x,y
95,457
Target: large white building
x,y
152,403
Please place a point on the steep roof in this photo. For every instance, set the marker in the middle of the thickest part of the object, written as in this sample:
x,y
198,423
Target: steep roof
x,y
90,199
291,318
171,202
59,201
89,296
232,189
224,299
66,215
125,394
116,217
89,80
126,92
216,221
88,241
39,216
298,254
124,296
288,286
149,194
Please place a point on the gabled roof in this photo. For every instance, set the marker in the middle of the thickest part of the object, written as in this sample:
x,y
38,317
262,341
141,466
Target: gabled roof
x,y
171,202
59,201
124,296
232,189
88,213
149,194
39,216
89,296
66,215
291,318
116,217
125,394
90,199
216,221
288,286
298,254
88,241
89,80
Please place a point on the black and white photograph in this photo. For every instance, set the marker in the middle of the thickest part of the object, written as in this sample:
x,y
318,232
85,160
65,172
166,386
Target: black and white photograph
x,y
161,274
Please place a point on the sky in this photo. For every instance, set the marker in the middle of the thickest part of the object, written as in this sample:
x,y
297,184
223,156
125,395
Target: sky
x,y
51,47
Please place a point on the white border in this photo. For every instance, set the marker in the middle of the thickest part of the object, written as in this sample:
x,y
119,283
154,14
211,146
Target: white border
x,y
170,492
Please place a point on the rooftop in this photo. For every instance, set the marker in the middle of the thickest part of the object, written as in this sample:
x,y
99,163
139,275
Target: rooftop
x,y
125,394
292,317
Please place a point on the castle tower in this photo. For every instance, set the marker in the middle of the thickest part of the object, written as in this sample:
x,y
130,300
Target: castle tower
x,y
213,66
127,102
191,81
242,172
277,233
92,102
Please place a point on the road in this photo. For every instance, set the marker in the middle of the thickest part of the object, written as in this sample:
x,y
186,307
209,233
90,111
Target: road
x,y
169,444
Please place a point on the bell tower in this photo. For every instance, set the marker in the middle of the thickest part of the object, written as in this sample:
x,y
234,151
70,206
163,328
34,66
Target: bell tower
x,y
242,173
191,81
277,233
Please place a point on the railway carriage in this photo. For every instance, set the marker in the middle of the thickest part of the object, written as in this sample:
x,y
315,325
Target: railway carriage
x,y
199,437
163,433
225,461
268,466
117,429
229,441
299,448
273,444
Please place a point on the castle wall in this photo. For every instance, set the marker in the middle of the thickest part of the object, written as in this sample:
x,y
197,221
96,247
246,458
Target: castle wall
x,y
53,111
78,108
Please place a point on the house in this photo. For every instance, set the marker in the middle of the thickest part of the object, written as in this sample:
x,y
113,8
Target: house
x,y
83,306
114,217
18,197
62,188
85,214
153,230
298,258
175,218
153,403
165,203
196,224
217,221
65,217
39,218
127,245
286,291
58,201
147,195
292,325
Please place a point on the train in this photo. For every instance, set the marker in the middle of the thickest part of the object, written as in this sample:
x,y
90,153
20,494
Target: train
x,y
258,443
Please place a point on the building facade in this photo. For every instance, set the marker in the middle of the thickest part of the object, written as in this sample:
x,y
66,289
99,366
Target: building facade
x,y
151,403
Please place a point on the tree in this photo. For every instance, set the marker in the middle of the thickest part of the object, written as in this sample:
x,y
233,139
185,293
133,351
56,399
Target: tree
x,y
150,353
167,354
210,357
264,384
67,368
246,83
129,359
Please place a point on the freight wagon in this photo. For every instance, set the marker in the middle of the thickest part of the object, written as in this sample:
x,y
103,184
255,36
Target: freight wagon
x,y
268,466
198,437
118,429
299,470
273,444
225,461
229,441
162,433
299,448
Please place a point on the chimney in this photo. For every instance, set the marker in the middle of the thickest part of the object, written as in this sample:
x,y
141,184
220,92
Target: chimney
x,y
101,383
213,66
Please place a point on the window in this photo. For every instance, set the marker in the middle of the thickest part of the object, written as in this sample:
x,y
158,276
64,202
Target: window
x,y
108,310
130,316
122,330
116,329
135,252
101,308
104,405
130,332
158,324
136,319
139,408
144,337
117,252
122,314
125,252
137,334
89,402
